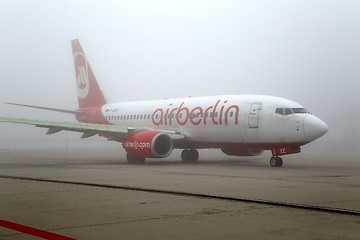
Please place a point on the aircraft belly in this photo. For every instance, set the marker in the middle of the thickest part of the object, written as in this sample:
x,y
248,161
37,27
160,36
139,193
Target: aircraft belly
x,y
214,134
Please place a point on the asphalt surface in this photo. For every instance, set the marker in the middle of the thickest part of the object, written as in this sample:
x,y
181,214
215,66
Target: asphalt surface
x,y
84,212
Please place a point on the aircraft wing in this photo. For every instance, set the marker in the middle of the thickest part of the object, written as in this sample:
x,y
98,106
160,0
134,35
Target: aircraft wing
x,y
111,132
46,108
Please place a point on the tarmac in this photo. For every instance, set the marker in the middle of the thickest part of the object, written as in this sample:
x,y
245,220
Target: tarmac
x,y
85,212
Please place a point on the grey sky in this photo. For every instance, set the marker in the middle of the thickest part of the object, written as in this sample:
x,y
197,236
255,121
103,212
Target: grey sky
x,y
307,51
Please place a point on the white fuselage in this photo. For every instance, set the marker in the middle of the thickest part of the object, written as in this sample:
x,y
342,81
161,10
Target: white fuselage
x,y
242,120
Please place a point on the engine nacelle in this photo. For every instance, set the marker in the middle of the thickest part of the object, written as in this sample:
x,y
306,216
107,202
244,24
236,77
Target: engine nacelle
x,y
242,152
149,144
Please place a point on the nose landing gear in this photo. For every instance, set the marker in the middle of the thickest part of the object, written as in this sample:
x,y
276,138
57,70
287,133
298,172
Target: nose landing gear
x,y
276,161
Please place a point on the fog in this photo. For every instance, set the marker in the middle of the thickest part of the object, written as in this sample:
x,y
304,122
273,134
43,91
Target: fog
x,y
307,51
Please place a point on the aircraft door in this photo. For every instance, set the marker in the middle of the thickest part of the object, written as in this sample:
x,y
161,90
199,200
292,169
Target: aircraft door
x,y
254,115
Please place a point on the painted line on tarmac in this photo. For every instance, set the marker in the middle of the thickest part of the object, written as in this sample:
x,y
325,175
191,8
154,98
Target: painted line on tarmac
x,y
33,231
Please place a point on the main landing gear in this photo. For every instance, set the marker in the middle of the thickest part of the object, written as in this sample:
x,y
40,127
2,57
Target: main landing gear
x,y
189,155
135,159
276,161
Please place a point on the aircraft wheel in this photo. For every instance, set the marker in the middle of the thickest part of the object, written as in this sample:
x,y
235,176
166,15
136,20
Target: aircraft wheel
x,y
185,155
140,160
130,159
189,155
135,159
276,161
194,155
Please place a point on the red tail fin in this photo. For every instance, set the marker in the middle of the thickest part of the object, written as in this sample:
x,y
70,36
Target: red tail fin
x,y
89,93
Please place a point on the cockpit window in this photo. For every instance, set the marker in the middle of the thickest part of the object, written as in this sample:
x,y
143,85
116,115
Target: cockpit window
x,y
288,111
299,110
279,111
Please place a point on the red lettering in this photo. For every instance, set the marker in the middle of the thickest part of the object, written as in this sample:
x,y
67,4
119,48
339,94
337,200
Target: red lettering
x,y
222,113
214,111
167,114
172,113
181,109
194,115
207,113
155,117
236,114
197,115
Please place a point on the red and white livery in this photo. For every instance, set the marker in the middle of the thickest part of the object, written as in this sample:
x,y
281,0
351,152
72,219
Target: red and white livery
x,y
239,125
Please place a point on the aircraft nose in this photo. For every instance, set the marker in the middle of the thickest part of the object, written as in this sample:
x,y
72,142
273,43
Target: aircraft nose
x,y
314,127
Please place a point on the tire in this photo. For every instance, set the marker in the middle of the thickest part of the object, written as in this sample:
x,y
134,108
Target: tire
x,y
185,156
273,162
135,159
189,155
276,161
194,155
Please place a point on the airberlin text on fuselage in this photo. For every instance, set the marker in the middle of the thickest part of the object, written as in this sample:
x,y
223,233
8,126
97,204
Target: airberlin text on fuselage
x,y
217,114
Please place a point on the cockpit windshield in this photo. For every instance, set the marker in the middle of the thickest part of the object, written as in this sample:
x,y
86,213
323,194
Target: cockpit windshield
x,y
288,111
299,110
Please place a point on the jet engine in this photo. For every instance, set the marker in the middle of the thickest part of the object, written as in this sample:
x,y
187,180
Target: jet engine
x,y
242,151
149,144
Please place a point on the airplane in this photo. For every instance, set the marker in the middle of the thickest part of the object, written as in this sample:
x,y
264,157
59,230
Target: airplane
x,y
239,125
